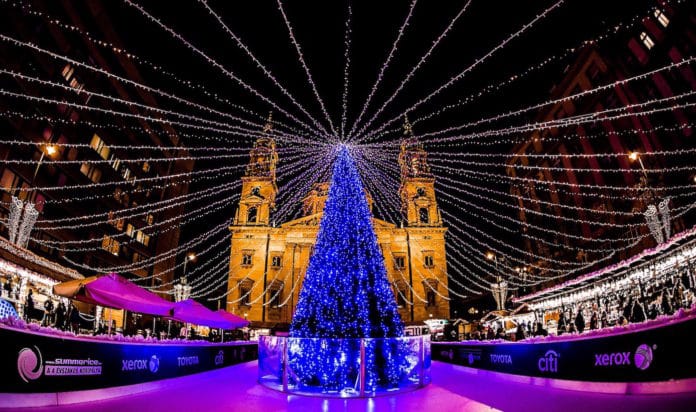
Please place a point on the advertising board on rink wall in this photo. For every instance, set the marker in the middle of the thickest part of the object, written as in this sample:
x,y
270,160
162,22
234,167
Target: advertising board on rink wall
x,y
654,354
36,363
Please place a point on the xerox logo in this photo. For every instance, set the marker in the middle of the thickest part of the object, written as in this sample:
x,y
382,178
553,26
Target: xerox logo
x,y
151,364
643,356
549,362
154,364
641,359
612,359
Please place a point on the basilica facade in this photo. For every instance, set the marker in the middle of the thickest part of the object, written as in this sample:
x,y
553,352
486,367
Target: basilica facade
x,y
268,261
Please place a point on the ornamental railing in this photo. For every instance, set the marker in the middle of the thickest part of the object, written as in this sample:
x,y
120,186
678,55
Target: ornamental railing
x,y
344,367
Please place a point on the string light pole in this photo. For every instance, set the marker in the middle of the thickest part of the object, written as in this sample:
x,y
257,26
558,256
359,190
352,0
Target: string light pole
x,y
500,287
182,290
657,214
49,150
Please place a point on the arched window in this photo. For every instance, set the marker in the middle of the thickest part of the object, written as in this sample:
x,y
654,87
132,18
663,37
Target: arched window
x,y
251,215
423,215
256,191
420,191
430,297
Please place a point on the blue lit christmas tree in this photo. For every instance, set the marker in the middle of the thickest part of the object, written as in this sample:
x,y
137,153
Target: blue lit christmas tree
x,y
346,293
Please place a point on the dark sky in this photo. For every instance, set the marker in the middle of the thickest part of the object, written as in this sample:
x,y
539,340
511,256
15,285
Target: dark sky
x,y
319,28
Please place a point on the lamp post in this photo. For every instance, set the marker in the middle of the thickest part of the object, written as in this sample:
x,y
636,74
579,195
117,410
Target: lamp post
x,y
657,213
500,287
633,156
49,150
182,290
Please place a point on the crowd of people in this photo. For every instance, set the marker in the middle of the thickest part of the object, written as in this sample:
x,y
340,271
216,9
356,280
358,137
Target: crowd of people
x,y
637,302
58,315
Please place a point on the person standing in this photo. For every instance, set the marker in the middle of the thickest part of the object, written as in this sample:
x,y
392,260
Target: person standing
x,y
74,318
666,304
8,287
60,316
580,321
594,321
29,306
562,324
48,313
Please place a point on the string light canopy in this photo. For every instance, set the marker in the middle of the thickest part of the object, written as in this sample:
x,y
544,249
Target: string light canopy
x,y
506,178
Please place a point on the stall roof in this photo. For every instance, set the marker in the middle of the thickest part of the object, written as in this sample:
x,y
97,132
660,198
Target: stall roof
x,y
114,291
238,321
193,312
676,241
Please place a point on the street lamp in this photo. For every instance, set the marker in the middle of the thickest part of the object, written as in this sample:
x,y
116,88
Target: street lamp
x,y
500,287
657,214
49,150
633,156
182,290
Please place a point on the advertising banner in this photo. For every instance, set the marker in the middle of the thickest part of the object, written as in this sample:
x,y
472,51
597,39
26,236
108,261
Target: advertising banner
x,y
35,363
649,355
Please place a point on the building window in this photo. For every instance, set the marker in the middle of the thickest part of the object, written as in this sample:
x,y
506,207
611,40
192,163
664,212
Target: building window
x,y
276,261
115,162
246,259
91,171
647,41
423,215
126,173
117,223
274,294
111,245
661,17
142,237
146,167
244,295
137,257
100,147
150,219
256,191
428,261
420,191
130,230
430,297
251,215
399,262
400,298
67,72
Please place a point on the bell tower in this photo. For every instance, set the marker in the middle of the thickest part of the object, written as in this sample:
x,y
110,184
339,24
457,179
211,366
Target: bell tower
x,y
259,187
417,191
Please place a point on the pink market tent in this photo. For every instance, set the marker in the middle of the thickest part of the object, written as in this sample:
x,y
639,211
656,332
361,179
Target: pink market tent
x,y
190,311
114,291
238,321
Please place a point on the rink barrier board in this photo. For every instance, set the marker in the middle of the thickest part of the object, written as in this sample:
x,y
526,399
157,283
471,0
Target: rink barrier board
x,y
656,354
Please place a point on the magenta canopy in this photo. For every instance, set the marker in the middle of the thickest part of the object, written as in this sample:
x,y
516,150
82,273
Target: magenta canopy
x,y
191,311
238,321
115,291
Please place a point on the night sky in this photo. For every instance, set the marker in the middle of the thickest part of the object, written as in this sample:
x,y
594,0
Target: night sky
x,y
319,28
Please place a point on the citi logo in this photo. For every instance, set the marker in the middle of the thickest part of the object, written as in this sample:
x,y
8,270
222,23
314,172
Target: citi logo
x,y
612,359
549,362
504,359
219,358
